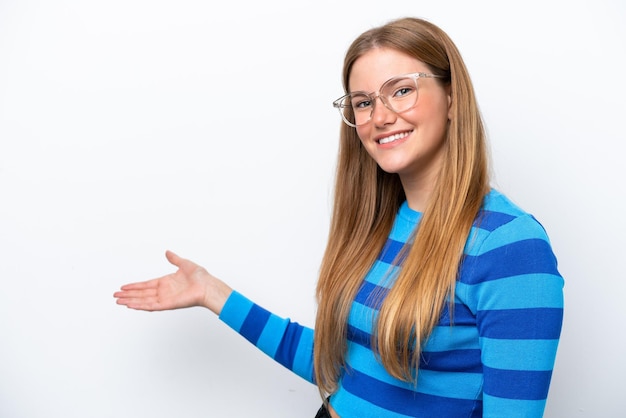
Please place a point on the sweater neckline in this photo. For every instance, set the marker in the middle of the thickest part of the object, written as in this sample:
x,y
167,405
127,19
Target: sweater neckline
x,y
409,214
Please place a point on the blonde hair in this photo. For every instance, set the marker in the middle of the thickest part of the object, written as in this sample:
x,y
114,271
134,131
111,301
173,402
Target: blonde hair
x,y
366,200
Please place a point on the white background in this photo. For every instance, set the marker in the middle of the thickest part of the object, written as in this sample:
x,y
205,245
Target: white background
x,y
128,127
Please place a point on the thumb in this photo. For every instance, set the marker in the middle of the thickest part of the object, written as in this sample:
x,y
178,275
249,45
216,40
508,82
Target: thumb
x,y
173,258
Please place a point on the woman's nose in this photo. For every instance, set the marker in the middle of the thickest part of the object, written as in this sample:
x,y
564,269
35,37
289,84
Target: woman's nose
x,y
381,114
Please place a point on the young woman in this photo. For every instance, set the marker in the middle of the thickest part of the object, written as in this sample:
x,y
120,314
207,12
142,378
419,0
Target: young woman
x,y
438,297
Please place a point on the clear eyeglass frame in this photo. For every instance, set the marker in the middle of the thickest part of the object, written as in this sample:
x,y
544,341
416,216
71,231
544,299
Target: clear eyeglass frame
x,y
347,109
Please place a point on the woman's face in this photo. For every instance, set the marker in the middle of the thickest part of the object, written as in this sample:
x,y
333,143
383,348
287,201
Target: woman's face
x,y
411,143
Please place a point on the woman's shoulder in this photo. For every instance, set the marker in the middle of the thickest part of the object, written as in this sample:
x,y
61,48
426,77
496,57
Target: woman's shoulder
x,y
499,211
501,222
497,202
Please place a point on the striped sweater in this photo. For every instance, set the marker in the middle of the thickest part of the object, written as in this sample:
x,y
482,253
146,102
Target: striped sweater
x,y
495,361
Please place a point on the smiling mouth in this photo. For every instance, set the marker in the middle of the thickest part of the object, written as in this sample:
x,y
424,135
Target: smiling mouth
x,y
393,138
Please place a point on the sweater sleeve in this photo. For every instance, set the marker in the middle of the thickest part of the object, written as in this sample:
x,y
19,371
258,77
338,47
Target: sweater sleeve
x,y
287,342
517,295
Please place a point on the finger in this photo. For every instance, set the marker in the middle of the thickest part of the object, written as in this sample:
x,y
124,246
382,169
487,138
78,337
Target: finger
x,y
173,258
144,303
149,284
140,304
143,293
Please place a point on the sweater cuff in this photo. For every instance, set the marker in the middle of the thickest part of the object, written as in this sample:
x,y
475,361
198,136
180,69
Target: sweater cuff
x,y
235,310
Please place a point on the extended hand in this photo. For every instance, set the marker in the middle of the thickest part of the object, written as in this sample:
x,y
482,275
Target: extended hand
x,y
190,286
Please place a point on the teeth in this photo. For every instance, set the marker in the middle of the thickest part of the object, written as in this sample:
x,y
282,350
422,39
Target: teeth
x,y
393,138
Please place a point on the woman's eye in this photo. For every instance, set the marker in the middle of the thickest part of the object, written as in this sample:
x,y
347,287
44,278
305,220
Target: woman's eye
x,y
362,104
403,91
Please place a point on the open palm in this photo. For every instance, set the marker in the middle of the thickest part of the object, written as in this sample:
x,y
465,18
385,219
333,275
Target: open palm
x,y
186,287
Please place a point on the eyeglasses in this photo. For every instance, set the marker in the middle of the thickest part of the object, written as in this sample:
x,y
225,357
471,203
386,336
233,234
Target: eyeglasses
x,y
398,94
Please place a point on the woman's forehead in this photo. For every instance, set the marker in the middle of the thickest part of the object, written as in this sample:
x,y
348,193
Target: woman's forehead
x,y
378,65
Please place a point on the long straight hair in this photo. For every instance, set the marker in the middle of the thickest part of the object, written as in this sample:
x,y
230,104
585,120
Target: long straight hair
x,y
366,200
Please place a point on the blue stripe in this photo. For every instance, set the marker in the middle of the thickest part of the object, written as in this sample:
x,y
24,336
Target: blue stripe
x,y
512,407
517,384
359,337
362,317
506,354
405,401
461,316
371,295
267,342
382,274
254,323
522,257
346,403
466,361
490,221
538,290
303,359
289,345
528,324
450,384
390,252
443,338
235,310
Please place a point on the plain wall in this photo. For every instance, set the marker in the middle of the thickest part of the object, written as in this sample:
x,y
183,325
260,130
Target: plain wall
x,y
131,127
